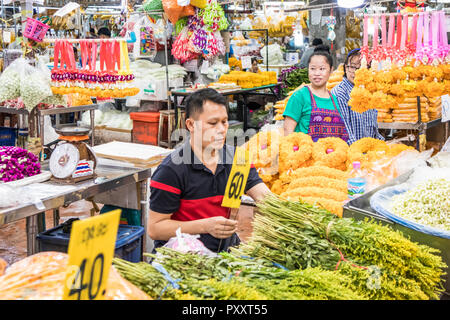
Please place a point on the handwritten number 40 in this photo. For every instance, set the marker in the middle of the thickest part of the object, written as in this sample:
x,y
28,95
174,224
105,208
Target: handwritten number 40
x,y
79,279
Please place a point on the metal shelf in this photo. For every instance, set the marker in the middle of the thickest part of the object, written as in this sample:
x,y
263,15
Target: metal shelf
x,y
409,126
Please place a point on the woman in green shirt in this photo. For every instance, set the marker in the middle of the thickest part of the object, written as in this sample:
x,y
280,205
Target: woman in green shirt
x,y
313,109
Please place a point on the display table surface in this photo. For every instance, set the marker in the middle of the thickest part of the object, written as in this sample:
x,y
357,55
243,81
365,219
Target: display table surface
x,y
53,195
233,92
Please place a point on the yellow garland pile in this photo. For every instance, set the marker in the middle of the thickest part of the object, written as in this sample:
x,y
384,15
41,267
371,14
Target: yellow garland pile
x,y
280,106
336,77
248,80
393,87
295,167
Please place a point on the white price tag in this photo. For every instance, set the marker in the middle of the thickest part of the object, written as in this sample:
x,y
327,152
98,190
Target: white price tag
x,y
6,37
205,66
191,65
445,108
292,57
246,62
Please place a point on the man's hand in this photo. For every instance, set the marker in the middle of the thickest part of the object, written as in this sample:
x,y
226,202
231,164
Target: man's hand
x,y
220,227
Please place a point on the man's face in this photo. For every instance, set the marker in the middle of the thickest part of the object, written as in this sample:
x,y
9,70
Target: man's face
x,y
103,36
209,127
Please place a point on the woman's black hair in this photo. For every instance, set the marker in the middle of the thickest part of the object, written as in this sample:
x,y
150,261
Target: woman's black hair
x,y
351,54
324,51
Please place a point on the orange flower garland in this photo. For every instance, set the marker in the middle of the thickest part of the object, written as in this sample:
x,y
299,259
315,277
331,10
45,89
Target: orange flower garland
x,y
330,152
295,151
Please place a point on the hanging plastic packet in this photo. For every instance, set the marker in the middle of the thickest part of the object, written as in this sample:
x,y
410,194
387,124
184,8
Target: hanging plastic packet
x,y
147,43
185,243
159,31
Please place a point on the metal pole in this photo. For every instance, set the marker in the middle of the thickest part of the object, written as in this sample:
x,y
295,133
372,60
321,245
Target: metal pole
x,y
167,62
267,50
147,245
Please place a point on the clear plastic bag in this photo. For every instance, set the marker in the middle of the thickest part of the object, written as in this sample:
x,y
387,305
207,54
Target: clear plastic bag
x,y
442,158
410,159
10,81
184,242
34,85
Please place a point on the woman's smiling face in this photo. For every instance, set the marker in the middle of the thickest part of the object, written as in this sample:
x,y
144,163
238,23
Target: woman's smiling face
x,y
319,70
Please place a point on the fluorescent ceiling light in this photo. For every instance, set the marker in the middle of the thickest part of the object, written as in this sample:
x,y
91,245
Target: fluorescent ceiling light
x,y
285,3
350,3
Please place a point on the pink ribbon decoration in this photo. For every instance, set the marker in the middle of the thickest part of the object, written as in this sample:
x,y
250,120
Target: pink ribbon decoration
x,y
413,37
435,30
366,31
426,35
404,32
399,30
375,32
420,31
383,30
391,30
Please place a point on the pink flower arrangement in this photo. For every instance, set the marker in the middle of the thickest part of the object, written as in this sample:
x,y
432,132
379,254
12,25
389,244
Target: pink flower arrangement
x,y
17,163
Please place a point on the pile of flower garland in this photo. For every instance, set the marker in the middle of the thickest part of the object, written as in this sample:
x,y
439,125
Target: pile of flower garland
x,y
388,88
295,167
249,79
17,163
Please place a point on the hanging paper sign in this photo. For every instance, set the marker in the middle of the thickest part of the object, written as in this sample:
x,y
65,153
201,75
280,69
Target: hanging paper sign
x,y
205,67
292,57
246,62
445,108
237,180
6,37
91,250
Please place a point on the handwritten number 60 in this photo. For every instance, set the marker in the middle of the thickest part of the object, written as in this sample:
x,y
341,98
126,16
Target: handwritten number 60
x,y
236,185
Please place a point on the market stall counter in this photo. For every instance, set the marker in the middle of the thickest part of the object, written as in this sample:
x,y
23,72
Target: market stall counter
x,y
361,209
245,93
53,195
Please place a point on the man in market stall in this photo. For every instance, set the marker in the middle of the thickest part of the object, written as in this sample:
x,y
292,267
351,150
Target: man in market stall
x,y
188,187
308,53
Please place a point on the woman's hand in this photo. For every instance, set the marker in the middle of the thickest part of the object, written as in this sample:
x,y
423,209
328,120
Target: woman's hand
x,y
220,227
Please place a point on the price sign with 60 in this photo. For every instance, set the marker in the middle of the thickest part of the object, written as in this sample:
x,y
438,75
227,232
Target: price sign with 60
x,y
91,250
237,180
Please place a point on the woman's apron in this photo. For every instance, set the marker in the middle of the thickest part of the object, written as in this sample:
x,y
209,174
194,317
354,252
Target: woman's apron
x,y
326,123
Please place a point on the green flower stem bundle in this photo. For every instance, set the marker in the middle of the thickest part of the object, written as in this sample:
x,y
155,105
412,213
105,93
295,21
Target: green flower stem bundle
x,y
299,236
228,277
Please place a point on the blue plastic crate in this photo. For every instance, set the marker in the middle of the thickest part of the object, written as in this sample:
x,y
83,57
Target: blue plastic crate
x,y
128,242
8,136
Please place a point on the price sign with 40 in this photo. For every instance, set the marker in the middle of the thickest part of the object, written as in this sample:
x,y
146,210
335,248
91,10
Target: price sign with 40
x,y
91,250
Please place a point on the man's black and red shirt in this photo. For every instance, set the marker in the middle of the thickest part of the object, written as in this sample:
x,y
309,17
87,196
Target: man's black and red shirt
x,y
184,187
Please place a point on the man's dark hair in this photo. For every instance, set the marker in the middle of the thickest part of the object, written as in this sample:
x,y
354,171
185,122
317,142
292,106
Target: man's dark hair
x,y
104,31
196,100
317,42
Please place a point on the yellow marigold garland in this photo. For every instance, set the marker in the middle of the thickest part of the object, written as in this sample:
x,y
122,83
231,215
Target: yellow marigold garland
x,y
332,206
366,150
295,151
316,192
322,182
313,171
330,152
